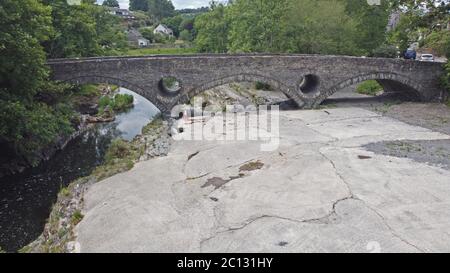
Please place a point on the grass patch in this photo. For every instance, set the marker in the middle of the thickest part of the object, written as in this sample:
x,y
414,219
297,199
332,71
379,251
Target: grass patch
x,y
263,86
152,126
94,90
370,88
119,149
118,103
159,51
77,216
403,146
89,90
65,192
2,251
120,157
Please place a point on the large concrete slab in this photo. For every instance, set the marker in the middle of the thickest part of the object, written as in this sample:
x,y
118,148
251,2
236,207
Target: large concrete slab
x,y
320,191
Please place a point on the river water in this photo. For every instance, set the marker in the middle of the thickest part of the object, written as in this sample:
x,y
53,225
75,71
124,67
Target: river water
x,y
26,198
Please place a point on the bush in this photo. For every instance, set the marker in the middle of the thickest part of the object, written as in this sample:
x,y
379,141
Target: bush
x,y
88,90
122,102
119,149
77,216
370,88
118,103
186,35
147,33
33,127
385,51
104,102
445,81
439,41
262,86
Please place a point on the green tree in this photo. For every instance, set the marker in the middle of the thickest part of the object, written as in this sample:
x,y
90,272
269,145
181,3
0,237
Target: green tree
x,y
173,23
139,5
83,30
111,3
27,123
187,24
212,30
24,25
439,41
423,21
186,35
160,9
147,33
298,26
371,22
319,27
446,77
256,26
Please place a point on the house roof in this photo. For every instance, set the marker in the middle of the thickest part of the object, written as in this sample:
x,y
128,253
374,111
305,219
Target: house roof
x,y
135,35
164,26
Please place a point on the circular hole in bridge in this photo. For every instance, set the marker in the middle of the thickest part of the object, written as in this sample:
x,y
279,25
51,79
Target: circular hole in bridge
x,y
309,84
170,85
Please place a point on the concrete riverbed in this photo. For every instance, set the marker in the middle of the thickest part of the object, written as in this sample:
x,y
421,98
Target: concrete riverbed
x,y
325,189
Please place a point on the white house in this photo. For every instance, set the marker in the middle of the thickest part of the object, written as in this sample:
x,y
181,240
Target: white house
x,y
124,13
162,29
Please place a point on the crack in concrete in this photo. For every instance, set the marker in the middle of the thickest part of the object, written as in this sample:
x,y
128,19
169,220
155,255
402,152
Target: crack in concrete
x,y
247,223
352,196
192,156
343,119
393,232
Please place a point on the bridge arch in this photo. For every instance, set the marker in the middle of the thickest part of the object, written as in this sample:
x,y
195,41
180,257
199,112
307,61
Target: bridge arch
x,y
391,82
276,84
96,79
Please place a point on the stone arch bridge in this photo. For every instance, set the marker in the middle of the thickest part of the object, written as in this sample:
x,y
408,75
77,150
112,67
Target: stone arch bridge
x,y
307,79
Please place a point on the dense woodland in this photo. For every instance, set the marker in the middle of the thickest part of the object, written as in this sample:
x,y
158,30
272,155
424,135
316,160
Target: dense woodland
x,y
35,110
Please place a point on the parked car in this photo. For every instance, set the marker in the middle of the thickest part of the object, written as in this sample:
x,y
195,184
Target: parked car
x,y
427,58
410,54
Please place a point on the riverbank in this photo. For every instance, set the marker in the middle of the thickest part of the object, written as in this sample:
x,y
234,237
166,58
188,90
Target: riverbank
x,y
26,198
85,106
58,234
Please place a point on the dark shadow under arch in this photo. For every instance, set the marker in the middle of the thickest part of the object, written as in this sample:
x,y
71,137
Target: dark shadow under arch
x,y
391,83
277,85
95,79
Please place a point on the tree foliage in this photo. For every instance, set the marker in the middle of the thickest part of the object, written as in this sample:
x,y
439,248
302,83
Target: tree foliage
x,y
24,25
34,110
173,23
370,23
160,9
212,30
83,30
300,26
139,5
111,3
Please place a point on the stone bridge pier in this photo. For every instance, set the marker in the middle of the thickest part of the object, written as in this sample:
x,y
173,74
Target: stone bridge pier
x,y
307,79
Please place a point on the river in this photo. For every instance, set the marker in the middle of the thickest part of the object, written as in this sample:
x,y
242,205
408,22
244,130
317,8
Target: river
x,y
26,199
